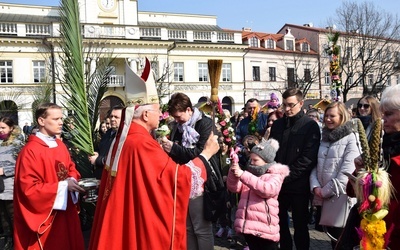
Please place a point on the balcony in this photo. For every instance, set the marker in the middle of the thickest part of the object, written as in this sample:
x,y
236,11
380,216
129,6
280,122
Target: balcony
x,y
116,81
33,29
38,29
8,29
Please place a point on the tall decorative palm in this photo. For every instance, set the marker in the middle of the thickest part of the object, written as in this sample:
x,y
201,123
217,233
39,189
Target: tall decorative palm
x,y
83,92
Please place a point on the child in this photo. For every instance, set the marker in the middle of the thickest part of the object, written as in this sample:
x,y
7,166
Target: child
x,y
257,215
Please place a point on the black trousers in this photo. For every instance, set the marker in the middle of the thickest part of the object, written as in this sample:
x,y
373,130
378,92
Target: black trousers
x,y
257,243
298,203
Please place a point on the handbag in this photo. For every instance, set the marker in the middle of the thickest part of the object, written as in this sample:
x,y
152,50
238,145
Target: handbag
x,y
336,209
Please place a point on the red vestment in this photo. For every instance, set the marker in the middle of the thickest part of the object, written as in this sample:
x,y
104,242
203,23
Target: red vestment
x,y
135,209
37,225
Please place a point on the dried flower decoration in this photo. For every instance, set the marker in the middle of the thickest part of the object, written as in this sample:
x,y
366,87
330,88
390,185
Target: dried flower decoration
x,y
225,124
373,190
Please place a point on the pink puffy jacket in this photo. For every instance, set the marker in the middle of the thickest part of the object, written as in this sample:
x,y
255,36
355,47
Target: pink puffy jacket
x,y
258,208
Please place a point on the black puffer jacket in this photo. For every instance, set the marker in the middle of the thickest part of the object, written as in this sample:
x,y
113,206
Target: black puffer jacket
x,y
299,138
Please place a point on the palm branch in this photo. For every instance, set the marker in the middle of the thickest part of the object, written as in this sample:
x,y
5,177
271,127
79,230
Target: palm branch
x,y
73,82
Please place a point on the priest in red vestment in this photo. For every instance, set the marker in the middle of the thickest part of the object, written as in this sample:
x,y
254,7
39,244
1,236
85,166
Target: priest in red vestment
x,y
144,195
45,191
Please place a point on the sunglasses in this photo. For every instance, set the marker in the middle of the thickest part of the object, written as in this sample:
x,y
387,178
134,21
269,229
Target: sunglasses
x,y
365,106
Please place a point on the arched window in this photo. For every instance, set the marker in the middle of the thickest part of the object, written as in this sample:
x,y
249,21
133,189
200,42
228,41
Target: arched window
x,y
227,104
9,109
202,99
107,103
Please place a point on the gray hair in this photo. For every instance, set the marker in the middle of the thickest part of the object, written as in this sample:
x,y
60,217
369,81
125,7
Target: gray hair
x,y
139,110
390,98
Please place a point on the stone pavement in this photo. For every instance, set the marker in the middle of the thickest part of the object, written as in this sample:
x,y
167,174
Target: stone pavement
x,y
318,241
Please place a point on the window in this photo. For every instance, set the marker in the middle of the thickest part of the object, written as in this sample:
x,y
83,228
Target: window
x,y
290,77
370,79
178,72
361,77
307,75
327,78
349,53
350,79
39,71
6,71
289,44
154,67
226,72
270,44
398,79
396,59
272,74
379,55
203,72
254,42
370,53
388,55
256,73
305,47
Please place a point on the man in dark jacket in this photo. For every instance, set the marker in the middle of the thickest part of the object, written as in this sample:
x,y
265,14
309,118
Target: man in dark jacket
x,y
98,159
299,138
252,105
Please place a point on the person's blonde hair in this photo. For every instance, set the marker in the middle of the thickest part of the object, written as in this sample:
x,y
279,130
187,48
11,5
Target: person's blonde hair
x,y
344,114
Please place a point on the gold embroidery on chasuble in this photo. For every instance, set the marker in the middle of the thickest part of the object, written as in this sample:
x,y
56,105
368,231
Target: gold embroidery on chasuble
x,y
62,171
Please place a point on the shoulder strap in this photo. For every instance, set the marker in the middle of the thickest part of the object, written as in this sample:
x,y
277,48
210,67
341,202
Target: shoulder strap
x,y
338,187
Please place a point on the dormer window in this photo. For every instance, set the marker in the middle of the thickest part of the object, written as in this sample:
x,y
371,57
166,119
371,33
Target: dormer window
x,y
289,40
270,44
289,45
254,42
305,47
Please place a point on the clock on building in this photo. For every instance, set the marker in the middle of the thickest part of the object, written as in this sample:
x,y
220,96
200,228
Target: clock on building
x,y
108,5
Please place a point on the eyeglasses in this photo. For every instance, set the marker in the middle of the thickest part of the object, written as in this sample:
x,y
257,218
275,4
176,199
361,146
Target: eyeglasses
x,y
289,105
365,106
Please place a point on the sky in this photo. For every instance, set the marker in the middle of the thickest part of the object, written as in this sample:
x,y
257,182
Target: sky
x,y
267,16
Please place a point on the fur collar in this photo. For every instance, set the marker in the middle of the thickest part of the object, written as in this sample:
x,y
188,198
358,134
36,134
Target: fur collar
x,y
337,133
15,135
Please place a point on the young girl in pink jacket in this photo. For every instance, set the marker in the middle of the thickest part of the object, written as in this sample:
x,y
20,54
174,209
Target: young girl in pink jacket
x,y
257,214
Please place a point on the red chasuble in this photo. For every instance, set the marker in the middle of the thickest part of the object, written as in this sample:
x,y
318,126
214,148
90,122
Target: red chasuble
x,y
136,209
37,173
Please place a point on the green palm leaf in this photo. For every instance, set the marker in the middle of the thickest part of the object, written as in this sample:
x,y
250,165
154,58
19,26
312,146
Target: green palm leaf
x,y
74,83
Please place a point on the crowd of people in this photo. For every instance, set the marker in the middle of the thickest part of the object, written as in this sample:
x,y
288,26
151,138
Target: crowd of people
x,y
170,192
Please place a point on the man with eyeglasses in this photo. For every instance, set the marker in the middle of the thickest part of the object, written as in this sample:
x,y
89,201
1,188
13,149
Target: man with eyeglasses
x,y
299,138
98,158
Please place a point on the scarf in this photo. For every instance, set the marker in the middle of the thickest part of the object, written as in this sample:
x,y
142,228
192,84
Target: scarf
x,y
337,133
189,134
259,170
365,120
4,137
